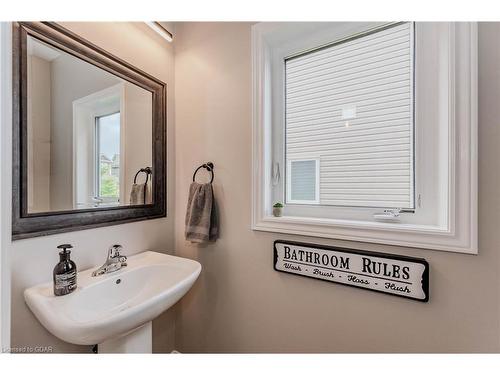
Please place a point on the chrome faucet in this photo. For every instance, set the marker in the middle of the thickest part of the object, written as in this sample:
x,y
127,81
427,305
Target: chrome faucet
x,y
114,262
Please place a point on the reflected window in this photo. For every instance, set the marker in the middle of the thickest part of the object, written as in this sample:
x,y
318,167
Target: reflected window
x,y
107,157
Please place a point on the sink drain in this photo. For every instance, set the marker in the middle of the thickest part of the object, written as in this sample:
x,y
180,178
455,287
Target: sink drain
x,y
118,281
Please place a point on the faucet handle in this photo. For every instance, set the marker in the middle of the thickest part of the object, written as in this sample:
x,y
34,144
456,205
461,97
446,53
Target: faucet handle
x,y
114,251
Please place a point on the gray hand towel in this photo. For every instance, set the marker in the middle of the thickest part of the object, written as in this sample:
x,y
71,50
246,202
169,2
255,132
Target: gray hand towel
x,y
137,194
202,223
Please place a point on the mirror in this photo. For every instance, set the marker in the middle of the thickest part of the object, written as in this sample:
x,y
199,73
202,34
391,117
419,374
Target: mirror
x,y
90,133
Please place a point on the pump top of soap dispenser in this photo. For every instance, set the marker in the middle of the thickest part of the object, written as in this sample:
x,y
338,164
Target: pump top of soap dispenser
x,y
64,254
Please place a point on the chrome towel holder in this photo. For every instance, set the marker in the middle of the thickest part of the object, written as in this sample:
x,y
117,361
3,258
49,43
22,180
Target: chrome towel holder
x,y
209,166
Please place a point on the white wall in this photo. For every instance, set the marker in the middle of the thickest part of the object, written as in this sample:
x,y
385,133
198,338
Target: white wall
x,y
5,183
240,304
32,260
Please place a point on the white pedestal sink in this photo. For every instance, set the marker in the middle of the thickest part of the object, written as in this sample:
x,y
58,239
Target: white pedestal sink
x,y
115,310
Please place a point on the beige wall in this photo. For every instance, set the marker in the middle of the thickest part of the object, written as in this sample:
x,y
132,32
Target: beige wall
x,y
39,78
72,79
138,140
240,304
32,260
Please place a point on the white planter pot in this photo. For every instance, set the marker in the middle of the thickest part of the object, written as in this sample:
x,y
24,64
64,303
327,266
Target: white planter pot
x,y
278,211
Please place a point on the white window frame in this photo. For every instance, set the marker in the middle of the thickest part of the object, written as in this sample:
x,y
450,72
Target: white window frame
x,y
457,227
289,180
97,162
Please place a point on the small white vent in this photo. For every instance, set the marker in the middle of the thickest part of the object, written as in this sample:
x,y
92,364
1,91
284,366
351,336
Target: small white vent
x,y
303,181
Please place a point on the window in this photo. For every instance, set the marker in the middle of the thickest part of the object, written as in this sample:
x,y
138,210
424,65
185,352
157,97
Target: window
x,y
107,171
367,132
98,148
350,104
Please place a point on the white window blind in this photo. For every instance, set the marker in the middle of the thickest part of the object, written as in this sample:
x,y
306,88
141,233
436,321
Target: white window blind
x,y
350,105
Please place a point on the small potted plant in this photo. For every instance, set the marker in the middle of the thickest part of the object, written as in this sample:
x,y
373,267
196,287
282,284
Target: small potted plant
x,y
278,209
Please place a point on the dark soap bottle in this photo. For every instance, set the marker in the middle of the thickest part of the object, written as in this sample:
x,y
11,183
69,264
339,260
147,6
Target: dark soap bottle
x,y
64,272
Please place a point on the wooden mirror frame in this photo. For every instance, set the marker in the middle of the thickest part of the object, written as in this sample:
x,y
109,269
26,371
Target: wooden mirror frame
x,y
24,224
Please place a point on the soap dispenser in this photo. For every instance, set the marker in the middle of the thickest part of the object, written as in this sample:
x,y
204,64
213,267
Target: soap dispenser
x,y
64,272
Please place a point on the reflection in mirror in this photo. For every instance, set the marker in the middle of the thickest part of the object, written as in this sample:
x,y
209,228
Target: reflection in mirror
x,y
89,132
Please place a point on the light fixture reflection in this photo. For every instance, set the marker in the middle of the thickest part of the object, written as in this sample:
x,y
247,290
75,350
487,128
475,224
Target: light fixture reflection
x,y
164,33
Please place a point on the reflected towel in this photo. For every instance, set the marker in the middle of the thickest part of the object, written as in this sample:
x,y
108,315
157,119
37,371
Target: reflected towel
x,y
137,194
202,224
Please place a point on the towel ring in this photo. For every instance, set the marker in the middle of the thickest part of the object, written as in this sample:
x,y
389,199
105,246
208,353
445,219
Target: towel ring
x,y
146,170
209,167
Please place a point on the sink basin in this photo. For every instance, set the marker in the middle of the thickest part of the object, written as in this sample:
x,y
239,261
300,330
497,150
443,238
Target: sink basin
x,y
106,307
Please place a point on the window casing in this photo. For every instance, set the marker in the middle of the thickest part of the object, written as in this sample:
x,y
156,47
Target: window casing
x,y
443,139
107,158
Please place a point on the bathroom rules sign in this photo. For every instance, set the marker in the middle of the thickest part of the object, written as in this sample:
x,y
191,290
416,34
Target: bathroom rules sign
x,y
387,273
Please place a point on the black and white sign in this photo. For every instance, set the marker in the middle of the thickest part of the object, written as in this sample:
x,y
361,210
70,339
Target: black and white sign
x,y
387,273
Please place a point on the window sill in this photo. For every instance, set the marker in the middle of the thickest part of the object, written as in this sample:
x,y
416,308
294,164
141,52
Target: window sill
x,y
398,234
